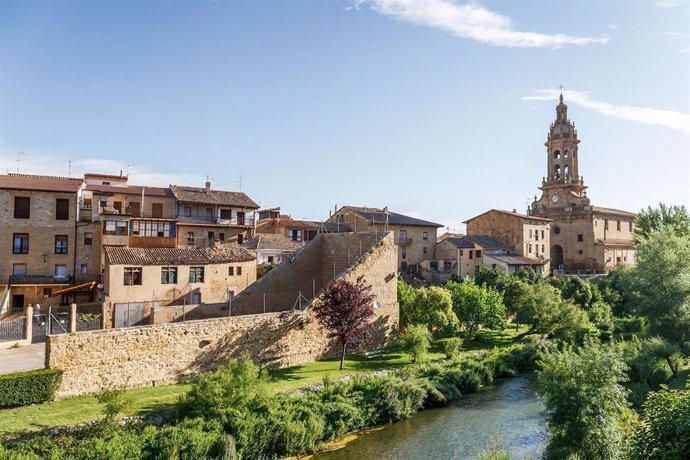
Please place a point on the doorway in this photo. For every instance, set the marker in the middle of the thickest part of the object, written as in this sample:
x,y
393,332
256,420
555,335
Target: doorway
x,y
557,257
18,302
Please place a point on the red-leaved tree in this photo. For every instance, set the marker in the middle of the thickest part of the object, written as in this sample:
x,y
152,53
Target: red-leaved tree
x,y
344,311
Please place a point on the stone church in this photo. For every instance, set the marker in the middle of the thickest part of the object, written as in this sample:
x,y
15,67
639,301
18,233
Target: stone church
x,y
584,238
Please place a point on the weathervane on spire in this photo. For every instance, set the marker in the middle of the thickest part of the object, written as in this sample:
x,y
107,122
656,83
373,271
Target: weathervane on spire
x,y
561,88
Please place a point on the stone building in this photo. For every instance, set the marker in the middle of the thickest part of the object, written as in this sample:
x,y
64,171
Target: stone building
x,y
205,215
38,232
146,277
530,236
583,237
416,238
271,221
270,248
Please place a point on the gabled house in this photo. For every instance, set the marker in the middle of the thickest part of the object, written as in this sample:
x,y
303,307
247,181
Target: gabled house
x,y
271,221
416,238
205,215
271,249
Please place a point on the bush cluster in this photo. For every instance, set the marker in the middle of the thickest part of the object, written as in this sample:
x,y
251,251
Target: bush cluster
x,y
31,387
229,414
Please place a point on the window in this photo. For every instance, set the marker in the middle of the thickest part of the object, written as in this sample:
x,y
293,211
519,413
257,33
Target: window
x,y
88,203
221,236
529,248
118,206
295,235
168,275
424,250
471,254
188,211
580,251
19,269
433,265
47,292
134,209
105,182
618,225
60,244
61,209
477,254
88,239
196,274
606,224
239,271
402,237
211,237
271,259
630,226
580,238
20,244
536,236
152,228
530,233
156,210
542,234
618,259
557,230
225,214
190,237
61,271
113,227
240,238
542,248
84,269
132,276
404,254
462,253
22,207
209,214
425,236
231,271
103,203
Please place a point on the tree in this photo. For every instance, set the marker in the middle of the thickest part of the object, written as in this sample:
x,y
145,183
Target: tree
x,y
432,307
652,220
491,277
416,342
661,350
585,400
345,310
665,428
663,282
477,306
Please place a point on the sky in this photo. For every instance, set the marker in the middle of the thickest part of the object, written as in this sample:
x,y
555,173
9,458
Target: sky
x,y
435,108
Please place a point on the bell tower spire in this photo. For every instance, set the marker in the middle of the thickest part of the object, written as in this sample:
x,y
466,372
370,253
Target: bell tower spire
x,y
562,185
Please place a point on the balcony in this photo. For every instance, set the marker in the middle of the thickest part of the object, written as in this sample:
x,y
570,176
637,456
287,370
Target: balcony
x,y
235,221
404,241
40,279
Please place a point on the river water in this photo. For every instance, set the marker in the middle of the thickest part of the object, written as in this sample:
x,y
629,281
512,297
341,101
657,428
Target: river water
x,y
507,414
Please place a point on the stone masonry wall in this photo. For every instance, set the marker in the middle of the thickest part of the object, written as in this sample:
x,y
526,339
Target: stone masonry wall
x,y
153,355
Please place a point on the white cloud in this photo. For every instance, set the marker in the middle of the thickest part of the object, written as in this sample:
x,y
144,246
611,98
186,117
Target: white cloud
x,y
35,161
684,50
668,3
471,21
645,115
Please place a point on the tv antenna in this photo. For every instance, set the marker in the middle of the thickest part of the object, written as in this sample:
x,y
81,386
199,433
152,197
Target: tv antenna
x,y
20,152
128,166
69,168
239,182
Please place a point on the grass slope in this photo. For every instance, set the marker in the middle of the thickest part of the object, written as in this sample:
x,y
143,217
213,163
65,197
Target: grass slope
x,y
80,409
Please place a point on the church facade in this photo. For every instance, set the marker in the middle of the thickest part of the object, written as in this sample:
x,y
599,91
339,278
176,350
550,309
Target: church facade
x,y
584,237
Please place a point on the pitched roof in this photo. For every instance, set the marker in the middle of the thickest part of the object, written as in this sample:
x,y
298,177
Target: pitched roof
x,y
118,255
614,242
613,211
131,190
272,241
379,216
489,242
16,181
200,195
105,176
516,260
516,214
459,242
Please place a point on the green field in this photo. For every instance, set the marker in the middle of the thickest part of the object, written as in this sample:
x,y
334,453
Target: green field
x,y
73,411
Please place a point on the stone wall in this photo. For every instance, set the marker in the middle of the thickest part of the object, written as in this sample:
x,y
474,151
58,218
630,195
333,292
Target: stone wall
x,y
159,354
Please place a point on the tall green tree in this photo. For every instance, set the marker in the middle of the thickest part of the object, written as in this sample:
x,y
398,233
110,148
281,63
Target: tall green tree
x,y
585,400
663,281
651,220
477,307
431,307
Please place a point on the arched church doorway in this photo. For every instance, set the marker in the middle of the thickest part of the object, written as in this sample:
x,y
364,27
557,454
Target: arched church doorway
x,y
556,257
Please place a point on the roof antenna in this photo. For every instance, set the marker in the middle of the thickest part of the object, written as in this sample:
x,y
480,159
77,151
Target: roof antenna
x,y
19,153
128,166
69,168
240,183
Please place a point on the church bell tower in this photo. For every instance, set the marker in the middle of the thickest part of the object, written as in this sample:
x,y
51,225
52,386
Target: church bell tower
x,y
562,186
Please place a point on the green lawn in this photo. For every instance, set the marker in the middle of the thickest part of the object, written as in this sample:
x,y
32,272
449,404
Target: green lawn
x,y
82,409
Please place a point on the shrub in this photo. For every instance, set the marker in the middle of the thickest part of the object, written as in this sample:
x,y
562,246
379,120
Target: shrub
x,y
416,342
115,401
189,440
32,387
452,346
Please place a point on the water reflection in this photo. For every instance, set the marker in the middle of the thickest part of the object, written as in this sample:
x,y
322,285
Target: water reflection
x,y
509,415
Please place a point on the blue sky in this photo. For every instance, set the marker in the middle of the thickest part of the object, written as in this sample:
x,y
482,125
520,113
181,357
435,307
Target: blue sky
x,y
435,108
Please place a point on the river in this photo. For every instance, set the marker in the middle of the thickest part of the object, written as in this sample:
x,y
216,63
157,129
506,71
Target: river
x,y
507,414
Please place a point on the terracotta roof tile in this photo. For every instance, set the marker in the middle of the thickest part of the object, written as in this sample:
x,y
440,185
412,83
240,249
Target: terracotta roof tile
x,y
379,216
199,195
516,214
131,190
41,183
272,241
617,212
177,256
516,260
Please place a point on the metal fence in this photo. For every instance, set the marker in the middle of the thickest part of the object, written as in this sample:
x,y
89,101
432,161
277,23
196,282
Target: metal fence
x,y
12,329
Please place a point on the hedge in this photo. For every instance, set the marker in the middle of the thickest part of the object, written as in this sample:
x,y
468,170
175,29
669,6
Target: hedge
x,y
22,388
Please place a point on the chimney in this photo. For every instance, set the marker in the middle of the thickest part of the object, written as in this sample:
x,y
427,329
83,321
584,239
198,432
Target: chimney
x,y
208,186
120,173
385,209
514,211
